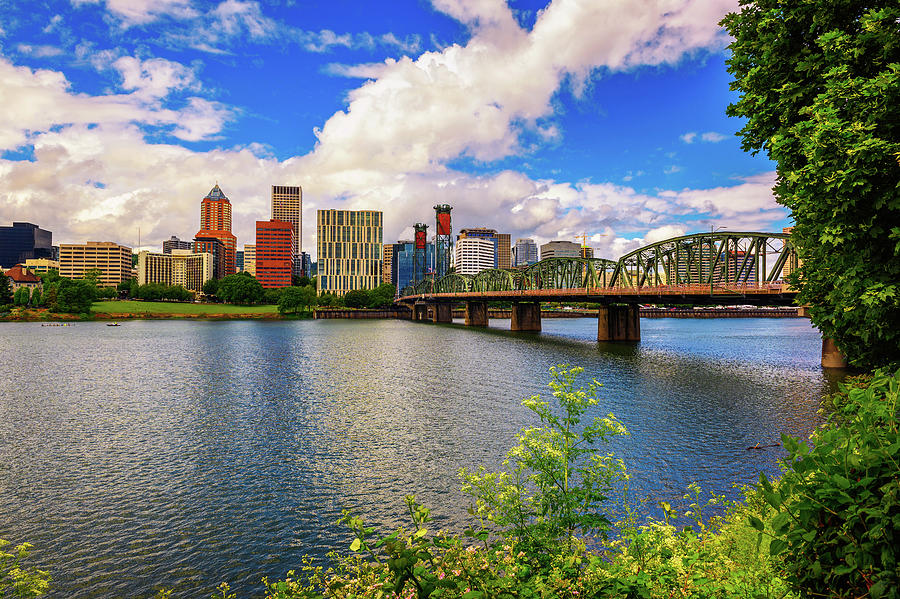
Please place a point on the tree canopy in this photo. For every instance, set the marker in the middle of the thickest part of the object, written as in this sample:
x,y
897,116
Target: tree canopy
x,y
240,288
295,299
6,294
820,92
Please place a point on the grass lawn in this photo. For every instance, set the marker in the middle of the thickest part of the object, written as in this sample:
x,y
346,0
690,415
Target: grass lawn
x,y
131,307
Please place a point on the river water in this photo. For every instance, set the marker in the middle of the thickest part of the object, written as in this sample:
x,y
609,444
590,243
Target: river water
x,y
182,454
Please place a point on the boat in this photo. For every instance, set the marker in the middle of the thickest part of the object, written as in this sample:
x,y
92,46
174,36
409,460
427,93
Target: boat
x,y
112,324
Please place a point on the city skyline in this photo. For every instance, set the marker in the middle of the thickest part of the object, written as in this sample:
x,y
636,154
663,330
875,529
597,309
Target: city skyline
x,y
130,111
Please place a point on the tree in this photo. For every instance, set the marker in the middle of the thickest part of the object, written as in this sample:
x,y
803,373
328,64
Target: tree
x,y
302,281
241,288
36,297
21,296
382,296
6,295
294,299
272,296
820,89
358,298
211,287
73,296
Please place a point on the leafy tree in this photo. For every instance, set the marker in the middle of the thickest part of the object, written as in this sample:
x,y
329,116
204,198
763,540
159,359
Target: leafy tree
x,y
294,299
820,89
555,481
302,282
74,297
21,296
382,296
105,293
6,294
127,287
358,298
330,300
36,297
272,296
211,287
241,288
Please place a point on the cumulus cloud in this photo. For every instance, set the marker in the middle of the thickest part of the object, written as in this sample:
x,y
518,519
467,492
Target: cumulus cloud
x,y
709,137
39,51
389,149
136,12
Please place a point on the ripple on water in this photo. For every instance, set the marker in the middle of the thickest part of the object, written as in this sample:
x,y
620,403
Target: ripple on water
x,y
181,454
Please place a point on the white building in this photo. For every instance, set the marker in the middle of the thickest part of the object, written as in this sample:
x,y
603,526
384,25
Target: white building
x,y
181,267
560,249
250,259
474,254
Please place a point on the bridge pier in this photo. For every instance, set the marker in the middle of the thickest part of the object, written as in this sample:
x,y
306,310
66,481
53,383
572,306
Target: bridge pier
x,y
526,317
420,312
831,355
476,314
619,323
443,313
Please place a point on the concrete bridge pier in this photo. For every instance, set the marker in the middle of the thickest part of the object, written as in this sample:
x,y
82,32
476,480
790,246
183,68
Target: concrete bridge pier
x,y
619,323
476,314
526,317
420,312
443,313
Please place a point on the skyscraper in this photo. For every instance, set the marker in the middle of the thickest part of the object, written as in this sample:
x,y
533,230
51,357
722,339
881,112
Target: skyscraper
x,y
215,221
287,206
525,252
348,245
274,253
24,241
173,243
474,254
500,241
111,259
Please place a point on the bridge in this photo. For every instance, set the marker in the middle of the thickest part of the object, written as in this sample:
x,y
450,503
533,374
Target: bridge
x,y
704,268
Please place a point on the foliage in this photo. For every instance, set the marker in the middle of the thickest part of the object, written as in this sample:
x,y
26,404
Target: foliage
x,y
240,288
382,296
294,299
302,282
357,298
22,296
6,294
330,300
158,291
837,506
105,293
71,296
272,296
211,287
555,482
16,580
36,297
820,85
127,286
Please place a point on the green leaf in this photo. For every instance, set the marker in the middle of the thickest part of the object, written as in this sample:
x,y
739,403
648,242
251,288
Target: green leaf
x,y
777,546
354,546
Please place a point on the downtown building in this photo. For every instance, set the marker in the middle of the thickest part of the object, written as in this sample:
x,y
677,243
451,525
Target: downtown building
x,y
250,259
215,223
275,245
502,253
348,245
525,252
402,259
111,259
287,206
560,249
173,243
178,267
474,254
24,241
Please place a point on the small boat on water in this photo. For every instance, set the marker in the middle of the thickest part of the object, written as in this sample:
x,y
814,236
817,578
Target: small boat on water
x,y
112,324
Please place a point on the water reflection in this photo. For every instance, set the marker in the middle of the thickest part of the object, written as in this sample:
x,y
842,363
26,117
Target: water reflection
x,y
183,454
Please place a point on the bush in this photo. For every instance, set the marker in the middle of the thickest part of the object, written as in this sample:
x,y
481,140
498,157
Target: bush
x,y
358,298
17,580
836,509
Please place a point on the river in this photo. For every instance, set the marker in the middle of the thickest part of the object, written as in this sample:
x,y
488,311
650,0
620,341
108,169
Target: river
x,y
182,454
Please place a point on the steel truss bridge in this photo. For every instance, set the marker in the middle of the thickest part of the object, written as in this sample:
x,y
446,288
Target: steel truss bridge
x,y
710,268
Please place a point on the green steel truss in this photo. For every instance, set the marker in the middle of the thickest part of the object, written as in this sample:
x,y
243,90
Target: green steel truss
x,y
720,258
707,259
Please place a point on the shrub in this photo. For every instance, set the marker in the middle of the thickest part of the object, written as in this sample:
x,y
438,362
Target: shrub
x,y
837,506
16,580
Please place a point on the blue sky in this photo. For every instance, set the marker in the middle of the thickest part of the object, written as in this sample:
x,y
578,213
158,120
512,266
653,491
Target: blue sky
x,y
541,119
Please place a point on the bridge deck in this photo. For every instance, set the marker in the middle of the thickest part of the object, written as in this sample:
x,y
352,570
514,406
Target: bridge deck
x,y
762,294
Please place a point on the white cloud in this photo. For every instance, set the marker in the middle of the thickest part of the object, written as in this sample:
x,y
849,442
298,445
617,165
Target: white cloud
x,y
672,169
712,137
136,12
39,51
689,137
387,150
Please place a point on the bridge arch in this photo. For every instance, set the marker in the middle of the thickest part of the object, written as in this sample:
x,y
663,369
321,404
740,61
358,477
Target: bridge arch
x,y
494,279
568,273
453,283
725,258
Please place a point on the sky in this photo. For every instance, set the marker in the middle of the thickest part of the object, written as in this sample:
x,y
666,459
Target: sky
x,y
547,120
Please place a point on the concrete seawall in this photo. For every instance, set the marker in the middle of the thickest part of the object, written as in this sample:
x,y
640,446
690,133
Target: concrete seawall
x,y
400,314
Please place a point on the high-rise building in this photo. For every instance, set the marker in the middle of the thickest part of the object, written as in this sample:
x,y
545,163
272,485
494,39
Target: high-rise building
x,y
215,248
287,206
560,249
306,267
239,260
403,262
173,243
274,253
215,221
387,256
587,252
348,245
178,267
24,241
503,253
474,254
525,252
111,259
250,259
